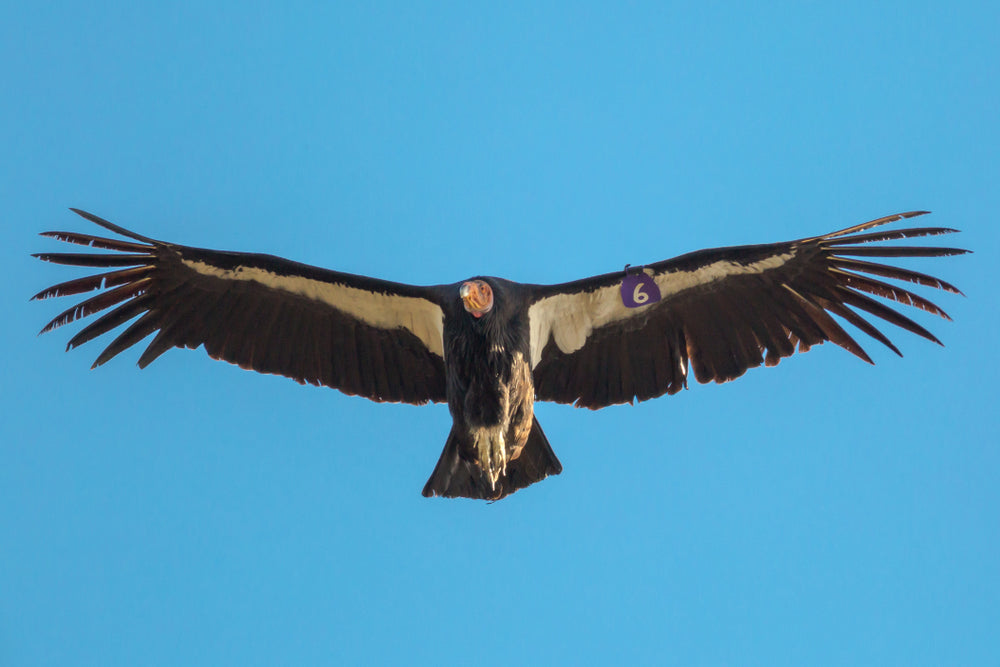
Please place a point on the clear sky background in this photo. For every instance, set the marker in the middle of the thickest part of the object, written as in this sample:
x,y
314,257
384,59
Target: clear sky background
x,y
820,512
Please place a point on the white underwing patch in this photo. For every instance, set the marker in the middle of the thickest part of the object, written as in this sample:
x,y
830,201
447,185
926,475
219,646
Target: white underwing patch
x,y
570,319
423,319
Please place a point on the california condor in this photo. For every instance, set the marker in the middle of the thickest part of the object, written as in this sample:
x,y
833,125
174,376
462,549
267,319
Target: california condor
x,y
491,347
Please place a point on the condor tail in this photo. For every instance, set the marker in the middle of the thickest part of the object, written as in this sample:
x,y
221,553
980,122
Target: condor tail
x,y
458,476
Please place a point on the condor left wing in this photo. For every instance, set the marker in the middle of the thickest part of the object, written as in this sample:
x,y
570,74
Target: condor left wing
x,y
361,335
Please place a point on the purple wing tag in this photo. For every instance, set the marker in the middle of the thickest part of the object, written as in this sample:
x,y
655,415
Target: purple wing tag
x,y
638,289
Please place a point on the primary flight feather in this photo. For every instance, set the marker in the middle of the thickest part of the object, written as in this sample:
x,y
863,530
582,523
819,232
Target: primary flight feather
x,y
492,347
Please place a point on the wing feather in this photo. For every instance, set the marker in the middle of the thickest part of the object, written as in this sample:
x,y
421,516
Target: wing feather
x,y
365,336
887,291
895,273
135,332
724,311
110,320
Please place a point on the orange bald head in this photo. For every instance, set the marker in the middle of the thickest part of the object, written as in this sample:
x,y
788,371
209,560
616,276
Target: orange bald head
x,y
477,297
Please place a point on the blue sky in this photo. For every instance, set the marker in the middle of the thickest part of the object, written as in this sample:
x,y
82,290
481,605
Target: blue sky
x,y
820,512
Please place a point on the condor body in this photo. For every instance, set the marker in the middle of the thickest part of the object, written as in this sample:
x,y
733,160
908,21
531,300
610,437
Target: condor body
x,y
492,347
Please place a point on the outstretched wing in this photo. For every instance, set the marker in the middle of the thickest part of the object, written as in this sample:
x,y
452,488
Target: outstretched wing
x,y
719,312
364,336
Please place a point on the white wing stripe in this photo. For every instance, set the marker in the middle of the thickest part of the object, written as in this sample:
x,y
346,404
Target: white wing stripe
x,y
423,319
672,283
570,319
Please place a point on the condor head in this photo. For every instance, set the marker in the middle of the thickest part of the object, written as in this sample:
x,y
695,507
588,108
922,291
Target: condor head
x,y
477,297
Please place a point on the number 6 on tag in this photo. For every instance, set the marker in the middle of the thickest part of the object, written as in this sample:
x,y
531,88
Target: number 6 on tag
x,y
638,289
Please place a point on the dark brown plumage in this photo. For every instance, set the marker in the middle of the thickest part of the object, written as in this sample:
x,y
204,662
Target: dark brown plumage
x,y
491,347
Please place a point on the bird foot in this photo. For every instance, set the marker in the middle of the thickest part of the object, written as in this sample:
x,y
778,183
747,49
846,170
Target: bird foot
x,y
491,453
